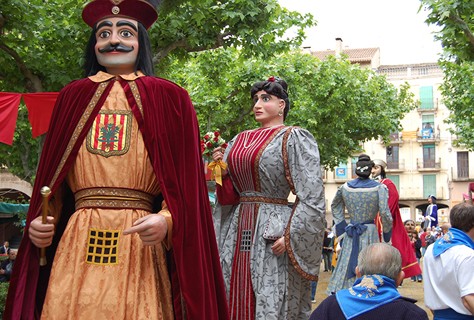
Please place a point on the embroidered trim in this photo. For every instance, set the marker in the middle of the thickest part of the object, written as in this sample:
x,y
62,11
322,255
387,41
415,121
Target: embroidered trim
x,y
264,200
113,198
102,247
80,126
136,95
115,136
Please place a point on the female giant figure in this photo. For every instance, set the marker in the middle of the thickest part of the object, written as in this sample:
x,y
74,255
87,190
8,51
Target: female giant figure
x,y
269,251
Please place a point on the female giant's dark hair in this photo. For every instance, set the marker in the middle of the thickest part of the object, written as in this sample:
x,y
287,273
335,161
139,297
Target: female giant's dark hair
x,y
144,61
274,86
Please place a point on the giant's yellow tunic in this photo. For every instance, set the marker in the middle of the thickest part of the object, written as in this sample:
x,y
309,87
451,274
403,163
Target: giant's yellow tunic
x,y
89,278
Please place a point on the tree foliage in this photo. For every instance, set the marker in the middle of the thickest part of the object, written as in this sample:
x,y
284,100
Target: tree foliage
x,y
341,104
456,21
216,50
42,44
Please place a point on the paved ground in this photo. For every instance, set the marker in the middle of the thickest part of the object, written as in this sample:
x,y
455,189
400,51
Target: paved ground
x,y
409,289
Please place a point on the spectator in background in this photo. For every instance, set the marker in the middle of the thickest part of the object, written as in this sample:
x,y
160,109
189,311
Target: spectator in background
x,y
5,247
445,228
6,267
449,268
374,294
423,236
415,244
328,243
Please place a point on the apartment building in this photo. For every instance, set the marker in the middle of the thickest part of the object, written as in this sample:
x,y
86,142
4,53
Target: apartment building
x,y
422,159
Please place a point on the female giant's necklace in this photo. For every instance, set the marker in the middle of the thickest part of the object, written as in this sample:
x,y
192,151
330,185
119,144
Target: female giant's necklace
x,y
258,134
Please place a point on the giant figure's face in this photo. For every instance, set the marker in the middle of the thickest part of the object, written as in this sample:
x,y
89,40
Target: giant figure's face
x,y
376,171
267,108
117,44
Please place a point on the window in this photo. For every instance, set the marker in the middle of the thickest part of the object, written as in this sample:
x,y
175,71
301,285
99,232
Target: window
x,y
463,164
429,185
396,181
429,156
354,165
427,126
393,161
426,97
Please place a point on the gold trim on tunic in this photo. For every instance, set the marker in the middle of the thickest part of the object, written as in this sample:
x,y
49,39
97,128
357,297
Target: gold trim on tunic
x,y
113,198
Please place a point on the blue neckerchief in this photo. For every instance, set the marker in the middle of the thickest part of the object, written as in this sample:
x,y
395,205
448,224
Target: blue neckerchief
x,y
362,183
367,293
454,237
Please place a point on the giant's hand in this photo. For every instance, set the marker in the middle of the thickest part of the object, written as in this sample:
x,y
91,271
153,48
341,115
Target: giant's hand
x,y
41,234
218,154
279,247
152,229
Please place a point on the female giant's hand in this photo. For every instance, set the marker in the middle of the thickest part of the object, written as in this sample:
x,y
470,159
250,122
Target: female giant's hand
x,y
41,234
218,154
279,247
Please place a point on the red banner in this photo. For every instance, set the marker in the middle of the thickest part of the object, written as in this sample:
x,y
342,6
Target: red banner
x,y
8,114
40,107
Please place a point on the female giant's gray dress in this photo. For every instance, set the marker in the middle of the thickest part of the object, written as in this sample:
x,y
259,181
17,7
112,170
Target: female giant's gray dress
x,y
363,199
261,285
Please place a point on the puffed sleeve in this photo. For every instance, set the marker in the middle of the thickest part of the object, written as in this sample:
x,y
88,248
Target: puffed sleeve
x,y
385,213
304,236
337,209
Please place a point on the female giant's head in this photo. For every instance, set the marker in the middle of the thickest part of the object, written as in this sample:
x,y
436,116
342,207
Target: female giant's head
x,y
276,87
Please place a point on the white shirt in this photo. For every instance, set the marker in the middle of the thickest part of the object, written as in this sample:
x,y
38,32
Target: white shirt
x,y
448,278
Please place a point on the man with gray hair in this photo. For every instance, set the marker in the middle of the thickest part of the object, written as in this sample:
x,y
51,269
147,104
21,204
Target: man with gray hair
x,y
374,294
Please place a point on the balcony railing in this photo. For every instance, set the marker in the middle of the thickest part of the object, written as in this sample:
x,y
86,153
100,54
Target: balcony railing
x,y
428,164
433,106
428,136
396,166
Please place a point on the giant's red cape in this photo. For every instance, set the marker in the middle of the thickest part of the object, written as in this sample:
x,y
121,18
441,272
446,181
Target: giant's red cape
x,y
400,238
170,131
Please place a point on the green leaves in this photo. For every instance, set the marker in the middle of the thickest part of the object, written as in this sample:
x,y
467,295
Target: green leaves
x,y
339,103
456,21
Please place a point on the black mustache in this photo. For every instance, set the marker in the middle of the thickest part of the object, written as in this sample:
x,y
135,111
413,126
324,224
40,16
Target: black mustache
x,y
116,47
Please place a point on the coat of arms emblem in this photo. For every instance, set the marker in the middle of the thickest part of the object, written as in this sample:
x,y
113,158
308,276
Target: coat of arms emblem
x,y
110,133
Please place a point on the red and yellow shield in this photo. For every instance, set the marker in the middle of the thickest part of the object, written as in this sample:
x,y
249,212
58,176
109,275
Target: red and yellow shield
x,y
110,133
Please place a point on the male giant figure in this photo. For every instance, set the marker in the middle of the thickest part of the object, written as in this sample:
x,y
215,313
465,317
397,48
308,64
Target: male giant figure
x,y
122,145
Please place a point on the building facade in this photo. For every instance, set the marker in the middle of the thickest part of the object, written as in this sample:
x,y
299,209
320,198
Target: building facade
x,y
422,159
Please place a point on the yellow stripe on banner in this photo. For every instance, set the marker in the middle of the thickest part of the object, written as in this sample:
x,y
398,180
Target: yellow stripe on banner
x,y
409,134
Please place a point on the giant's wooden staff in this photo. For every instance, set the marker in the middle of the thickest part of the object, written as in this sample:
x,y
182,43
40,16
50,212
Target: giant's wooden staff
x,y
45,192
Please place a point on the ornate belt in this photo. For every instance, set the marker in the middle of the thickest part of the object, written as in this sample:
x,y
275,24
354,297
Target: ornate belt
x,y
258,199
114,198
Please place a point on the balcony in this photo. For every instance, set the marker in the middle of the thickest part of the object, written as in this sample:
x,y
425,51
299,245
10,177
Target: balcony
x,y
424,136
394,167
429,107
461,174
428,165
396,138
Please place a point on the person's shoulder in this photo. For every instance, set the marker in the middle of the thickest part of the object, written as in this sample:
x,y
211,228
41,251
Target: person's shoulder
x,y
160,82
411,308
299,134
75,85
328,309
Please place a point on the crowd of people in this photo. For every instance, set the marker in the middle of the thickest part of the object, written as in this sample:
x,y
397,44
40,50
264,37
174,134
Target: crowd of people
x,y
148,246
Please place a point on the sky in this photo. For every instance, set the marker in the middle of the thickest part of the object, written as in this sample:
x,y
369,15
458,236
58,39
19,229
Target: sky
x,y
394,26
